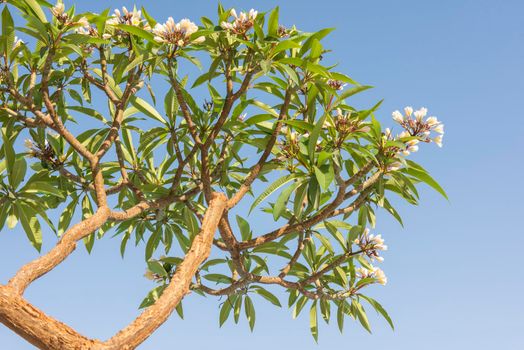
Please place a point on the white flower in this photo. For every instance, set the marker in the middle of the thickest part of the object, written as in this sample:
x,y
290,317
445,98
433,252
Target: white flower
x,y
394,166
421,113
336,84
404,134
227,25
133,18
362,272
28,144
83,21
397,116
242,23
176,33
413,149
58,9
439,128
432,121
17,42
412,142
84,28
378,242
372,272
293,136
438,140
380,276
408,110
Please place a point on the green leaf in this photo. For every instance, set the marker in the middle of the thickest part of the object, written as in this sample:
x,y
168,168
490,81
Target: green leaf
x,y
43,188
267,295
18,172
280,204
325,309
180,310
237,309
361,315
340,316
8,31
67,215
312,143
245,230
392,211
325,242
147,109
9,154
325,176
420,173
141,33
316,49
376,305
285,45
36,10
12,218
156,266
272,23
225,311
152,296
272,188
30,224
313,321
299,306
250,312
350,92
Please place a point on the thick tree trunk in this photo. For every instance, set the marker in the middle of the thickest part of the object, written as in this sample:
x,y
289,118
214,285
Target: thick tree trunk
x,y
45,332
36,327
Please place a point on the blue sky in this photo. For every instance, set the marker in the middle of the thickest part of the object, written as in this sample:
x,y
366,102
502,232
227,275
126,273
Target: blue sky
x,y
455,271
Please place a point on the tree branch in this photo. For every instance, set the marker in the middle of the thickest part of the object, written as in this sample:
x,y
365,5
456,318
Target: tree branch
x,y
67,244
145,324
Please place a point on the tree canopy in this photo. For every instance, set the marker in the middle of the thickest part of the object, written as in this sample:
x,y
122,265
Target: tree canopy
x,y
173,136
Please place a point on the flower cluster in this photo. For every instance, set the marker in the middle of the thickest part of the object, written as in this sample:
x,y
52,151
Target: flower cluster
x,y
290,146
345,124
372,272
242,22
283,32
415,125
371,245
132,18
336,84
85,28
59,12
176,33
44,152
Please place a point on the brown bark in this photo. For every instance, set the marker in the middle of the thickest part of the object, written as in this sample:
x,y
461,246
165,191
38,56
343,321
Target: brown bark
x,y
37,268
36,327
44,332
145,324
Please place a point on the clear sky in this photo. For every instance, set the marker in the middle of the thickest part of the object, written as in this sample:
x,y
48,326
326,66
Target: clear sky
x,y
456,277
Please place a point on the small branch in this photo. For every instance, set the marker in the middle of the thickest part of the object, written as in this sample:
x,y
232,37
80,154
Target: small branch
x,y
255,170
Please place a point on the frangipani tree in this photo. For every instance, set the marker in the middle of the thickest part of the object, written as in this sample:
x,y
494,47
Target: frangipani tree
x,y
120,139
